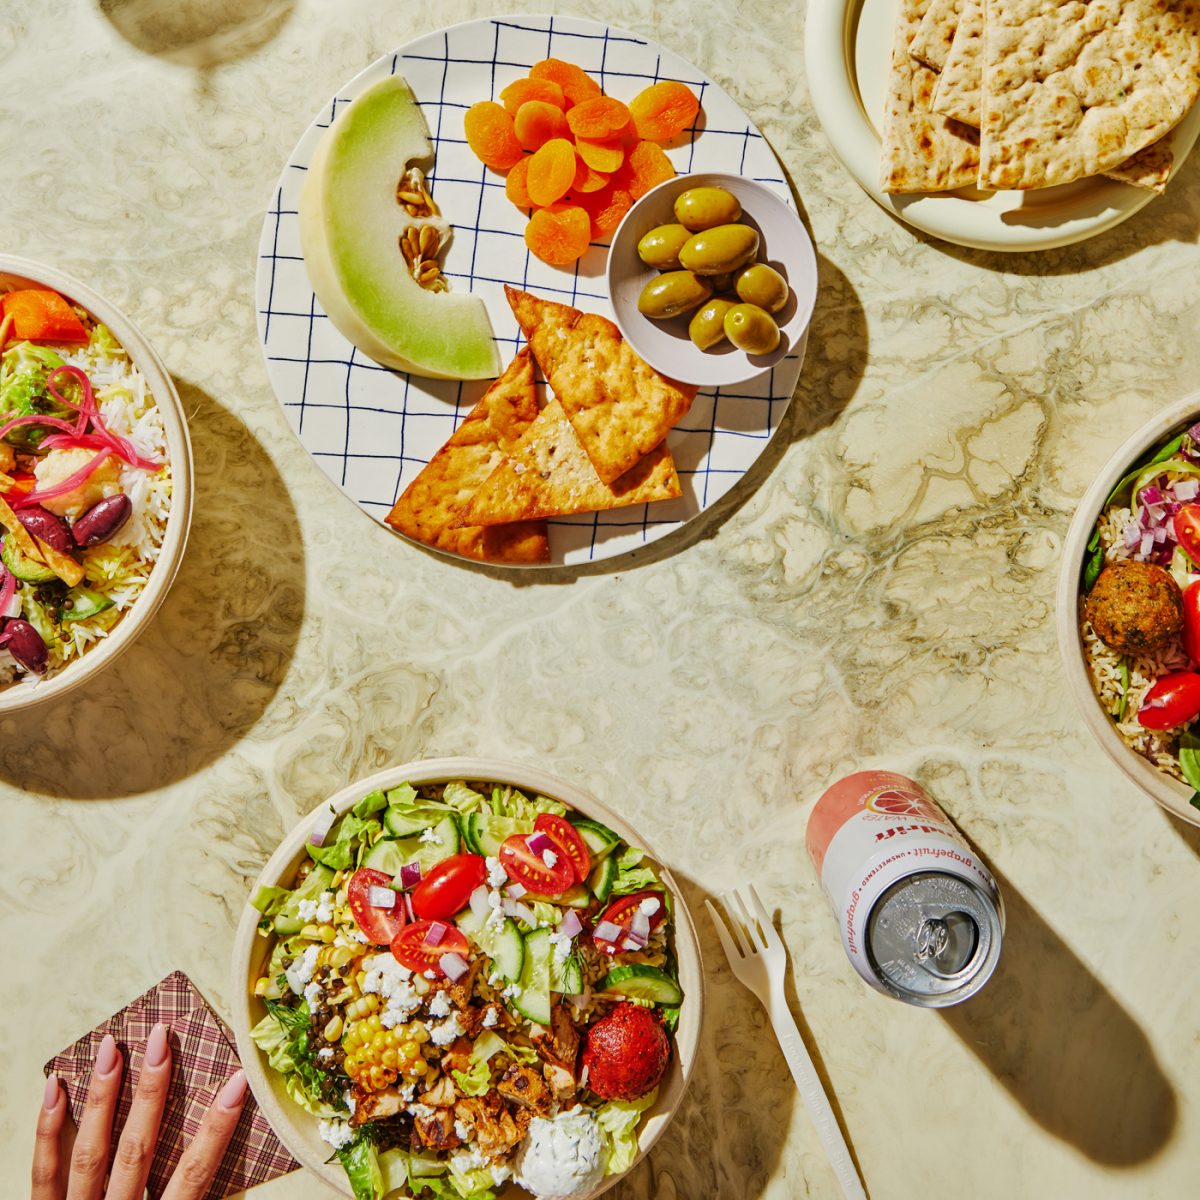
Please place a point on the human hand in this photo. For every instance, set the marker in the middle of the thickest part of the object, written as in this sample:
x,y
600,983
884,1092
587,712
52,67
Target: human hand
x,y
88,1175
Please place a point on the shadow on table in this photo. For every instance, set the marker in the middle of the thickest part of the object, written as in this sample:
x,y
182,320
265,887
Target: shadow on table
x,y
204,670
1064,1048
198,33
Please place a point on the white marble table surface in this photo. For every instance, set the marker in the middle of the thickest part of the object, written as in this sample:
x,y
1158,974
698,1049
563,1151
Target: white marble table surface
x,y
878,591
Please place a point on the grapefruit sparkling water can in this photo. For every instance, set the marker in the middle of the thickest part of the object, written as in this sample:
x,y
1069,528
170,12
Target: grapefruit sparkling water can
x,y
921,917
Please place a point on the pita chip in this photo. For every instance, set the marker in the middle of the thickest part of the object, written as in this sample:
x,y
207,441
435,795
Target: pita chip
x,y
429,508
549,475
958,86
620,406
930,45
1149,168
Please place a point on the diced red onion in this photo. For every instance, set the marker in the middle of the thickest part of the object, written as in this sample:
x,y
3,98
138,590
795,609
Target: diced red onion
x,y
479,902
408,908
1194,432
538,843
436,935
607,931
1186,490
381,897
1133,535
410,875
570,925
321,826
512,908
517,890
1151,495
581,999
1147,543
1160,535
639,925
454,966
632,943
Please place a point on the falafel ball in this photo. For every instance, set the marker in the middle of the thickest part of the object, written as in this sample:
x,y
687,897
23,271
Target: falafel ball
x,y
1135,607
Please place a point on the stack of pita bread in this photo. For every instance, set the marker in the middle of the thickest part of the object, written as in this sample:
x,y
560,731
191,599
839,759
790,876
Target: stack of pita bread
x,y
1034,93
599,444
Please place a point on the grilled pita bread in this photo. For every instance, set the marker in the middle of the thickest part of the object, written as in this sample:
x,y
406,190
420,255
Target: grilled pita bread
x,y
621,407
931,43
429,508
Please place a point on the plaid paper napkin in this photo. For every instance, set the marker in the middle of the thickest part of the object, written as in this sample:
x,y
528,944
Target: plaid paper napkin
x,y
204,1058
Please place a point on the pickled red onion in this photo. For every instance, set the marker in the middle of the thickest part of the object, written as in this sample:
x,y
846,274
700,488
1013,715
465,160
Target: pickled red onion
x,y
8,589
89,410
67,485
55,422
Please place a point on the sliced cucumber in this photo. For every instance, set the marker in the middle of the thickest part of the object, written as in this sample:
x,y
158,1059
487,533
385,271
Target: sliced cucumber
x,y
385,856
429,853
503,944
484,834
398,824
604,875
566,975
288,920
28,570
576,896
640,982
599,839
533,1001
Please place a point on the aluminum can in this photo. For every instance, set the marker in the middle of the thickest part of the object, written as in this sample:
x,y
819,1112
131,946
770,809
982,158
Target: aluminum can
x,y
921,917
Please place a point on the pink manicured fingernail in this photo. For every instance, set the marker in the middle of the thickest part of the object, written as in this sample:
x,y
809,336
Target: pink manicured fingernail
x,y
50,1099
156,1047
107,1058
233,1093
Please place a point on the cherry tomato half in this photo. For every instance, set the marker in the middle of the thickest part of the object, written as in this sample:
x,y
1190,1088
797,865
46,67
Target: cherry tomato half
x,y
379,924
1186,525
409,947
566,838
530,870
620,913
448,886
1174,699
1191,622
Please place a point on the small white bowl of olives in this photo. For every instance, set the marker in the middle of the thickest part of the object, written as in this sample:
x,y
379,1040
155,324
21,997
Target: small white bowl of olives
x,y
712,279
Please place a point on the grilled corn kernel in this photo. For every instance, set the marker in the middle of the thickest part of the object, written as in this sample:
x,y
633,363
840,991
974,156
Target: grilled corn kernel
x,y
338,876
333,1029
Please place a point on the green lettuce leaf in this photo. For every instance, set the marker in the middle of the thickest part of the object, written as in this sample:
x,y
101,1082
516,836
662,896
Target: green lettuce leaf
x,y
352,837
103,343
269,900
461,798
472,1185
487,1045
273,1040
618,1121
306,1100
631,876
362,1168
370,804
509,802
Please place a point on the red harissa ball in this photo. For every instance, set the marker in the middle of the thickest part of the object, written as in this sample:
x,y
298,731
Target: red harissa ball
x,y
626,1053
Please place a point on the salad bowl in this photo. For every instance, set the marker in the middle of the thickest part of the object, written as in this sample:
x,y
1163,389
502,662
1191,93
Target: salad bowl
x,y
17,274
301,1132
1079,547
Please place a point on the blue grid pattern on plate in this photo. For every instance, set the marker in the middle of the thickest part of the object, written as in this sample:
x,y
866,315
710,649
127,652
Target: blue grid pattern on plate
x,y
372,429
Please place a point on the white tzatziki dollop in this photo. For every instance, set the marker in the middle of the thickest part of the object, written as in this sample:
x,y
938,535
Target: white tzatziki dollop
x,y
561,1156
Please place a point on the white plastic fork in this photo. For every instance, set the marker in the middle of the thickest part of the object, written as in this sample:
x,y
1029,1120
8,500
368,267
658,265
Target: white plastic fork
x,y
758,960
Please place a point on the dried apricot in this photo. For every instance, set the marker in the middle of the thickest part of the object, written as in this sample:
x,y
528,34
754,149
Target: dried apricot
x,y
599,119
647,167
587,180
551,172
559,235
601,156
663,110
606,208
516,186
490,134
575,83
537,122
520,91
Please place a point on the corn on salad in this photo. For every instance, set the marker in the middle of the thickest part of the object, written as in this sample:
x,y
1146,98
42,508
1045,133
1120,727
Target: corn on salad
x,y
466,985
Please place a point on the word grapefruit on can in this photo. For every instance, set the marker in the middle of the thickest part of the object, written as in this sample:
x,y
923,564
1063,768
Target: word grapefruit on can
x,y
921,917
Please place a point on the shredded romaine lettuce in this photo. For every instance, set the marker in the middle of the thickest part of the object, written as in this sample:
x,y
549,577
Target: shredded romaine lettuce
x,y
509,802
361,1164
461,798
353,836
370,804
475,1081
269,900
631,876
618,1121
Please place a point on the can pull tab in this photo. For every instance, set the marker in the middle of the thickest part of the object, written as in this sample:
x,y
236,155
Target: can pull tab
x,y
945,945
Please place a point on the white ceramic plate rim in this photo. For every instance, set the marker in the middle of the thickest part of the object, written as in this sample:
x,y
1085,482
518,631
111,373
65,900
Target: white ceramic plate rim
x,y
162,387
286,1117
1170,793
829,53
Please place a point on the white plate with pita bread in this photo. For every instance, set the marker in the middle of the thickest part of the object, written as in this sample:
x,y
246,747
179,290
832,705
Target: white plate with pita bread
x,y
375,432
1088,112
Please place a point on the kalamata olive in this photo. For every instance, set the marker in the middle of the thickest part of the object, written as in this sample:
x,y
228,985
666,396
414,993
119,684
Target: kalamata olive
x,y
26,646
48,526
102,520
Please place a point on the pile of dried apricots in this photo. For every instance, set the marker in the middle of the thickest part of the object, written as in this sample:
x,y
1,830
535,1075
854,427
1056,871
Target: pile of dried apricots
x,y
576,158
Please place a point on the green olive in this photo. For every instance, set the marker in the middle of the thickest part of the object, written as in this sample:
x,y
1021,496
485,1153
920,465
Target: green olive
x,y
707,327
751,328
703,207
722,283
671,294
762,285
660,247
723,248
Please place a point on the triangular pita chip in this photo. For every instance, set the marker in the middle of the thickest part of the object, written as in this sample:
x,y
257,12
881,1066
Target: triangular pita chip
x,y
930,45
431,503
1149,168
620,406
922,151
1071,90
549,475
958,86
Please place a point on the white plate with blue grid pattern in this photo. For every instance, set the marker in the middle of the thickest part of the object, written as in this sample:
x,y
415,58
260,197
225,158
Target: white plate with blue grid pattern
x,y
370,429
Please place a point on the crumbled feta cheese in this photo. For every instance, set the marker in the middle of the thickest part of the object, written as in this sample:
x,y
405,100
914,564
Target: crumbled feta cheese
x,y
351,1103
312,993
320,911
407,1091
325,1052
430,974
336,1133
562,945
511,991
466,1159
549,858
306,910
501,1173
650,905
430,837
359,936
421,1110
450,1029
490,1018
630,944
301,971
440,1005
461,1131
497,876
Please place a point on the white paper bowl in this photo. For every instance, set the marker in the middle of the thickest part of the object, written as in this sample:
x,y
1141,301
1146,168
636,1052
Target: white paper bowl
x,y
665,345
22,272
1170,793
295,1127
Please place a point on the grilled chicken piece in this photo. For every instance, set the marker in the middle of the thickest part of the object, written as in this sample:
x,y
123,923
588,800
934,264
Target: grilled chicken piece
x,y
559,1043
561,1081
442,1094
524,1086
460,991
437,1130
494,1129
374,1106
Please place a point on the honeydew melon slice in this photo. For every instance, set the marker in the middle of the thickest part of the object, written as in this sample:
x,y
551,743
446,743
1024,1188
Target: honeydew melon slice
x,y
350,227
